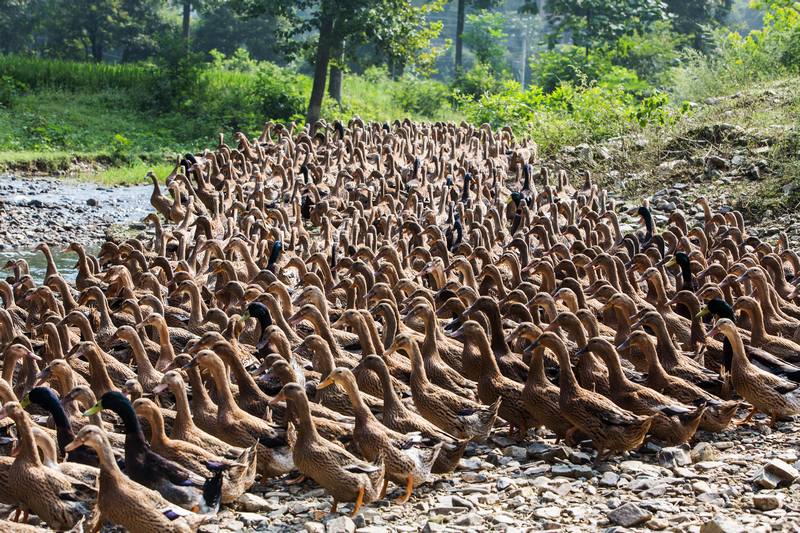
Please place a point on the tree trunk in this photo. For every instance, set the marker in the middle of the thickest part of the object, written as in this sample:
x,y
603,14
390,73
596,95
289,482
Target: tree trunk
x,y
335,83
462,7
320,69
187,20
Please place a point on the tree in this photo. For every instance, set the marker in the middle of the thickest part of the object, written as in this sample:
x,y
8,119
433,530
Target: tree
x,y
486,37
396,27
595,23
689,18
461,12
99,26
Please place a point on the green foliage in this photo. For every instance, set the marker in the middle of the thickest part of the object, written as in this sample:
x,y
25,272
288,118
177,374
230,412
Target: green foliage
x,y
569,114
477,81
739,60
650,54
10,89
597,23
421,97
485,35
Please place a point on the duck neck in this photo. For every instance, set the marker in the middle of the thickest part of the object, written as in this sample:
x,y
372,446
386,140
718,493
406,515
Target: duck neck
x,y
566,377
536,373
360,408
133,430
101,382
157,434
27,444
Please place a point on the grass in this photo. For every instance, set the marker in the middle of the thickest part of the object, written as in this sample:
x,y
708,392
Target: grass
x,y
767,115
134,174
68,114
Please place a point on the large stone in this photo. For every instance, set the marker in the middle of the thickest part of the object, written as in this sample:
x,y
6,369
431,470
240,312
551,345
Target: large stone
x,y
340,524
629,515
782,470
767,502
572,471
609,479
253,503
674,456
545,452
721,524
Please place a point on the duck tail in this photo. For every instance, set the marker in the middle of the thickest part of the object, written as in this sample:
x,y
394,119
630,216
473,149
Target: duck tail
x,y
376,477
212,492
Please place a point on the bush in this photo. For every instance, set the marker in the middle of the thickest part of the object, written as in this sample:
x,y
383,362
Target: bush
x,y
477,81
652,54
764,54
421,97
9,90
568,64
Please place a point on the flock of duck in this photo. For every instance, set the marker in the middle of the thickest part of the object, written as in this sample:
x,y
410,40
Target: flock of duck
x,y
354,306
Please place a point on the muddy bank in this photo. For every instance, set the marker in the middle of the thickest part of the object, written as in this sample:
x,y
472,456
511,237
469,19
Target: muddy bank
x,y
59,211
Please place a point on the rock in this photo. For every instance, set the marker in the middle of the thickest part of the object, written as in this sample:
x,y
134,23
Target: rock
x,y
716,163
783,471
340,524
517,452
503,483
674,456
550,513
571,471
92,202
609,479
253,503
629,515
545,452
471,463
721,524
704,452
767,502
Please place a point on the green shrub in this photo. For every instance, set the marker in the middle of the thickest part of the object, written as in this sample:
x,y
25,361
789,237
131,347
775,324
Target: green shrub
x,y
10,88
421,97
651,54
477,81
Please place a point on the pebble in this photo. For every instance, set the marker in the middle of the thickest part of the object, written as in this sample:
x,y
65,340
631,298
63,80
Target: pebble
x,y
340,524
721,524
629,515
767,502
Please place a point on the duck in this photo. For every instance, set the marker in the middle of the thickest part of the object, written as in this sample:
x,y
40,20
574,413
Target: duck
x,y
765,392
673,423
397,417
407,458
610,428
460,417
59,500
238,475
174,482
718,413
126,503
345,477
239,428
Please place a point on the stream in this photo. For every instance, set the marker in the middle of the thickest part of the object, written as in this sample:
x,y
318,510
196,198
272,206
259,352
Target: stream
x,y
59,211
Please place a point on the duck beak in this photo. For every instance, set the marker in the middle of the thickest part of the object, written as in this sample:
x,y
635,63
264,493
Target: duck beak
x,y
742,278
624,345
281,397
671,263
714,332
703,312
244,317
33,356
158,389
581,352
637,324
191,364
551,327
326,383
42,376
25,402
74,445
457,334
93,410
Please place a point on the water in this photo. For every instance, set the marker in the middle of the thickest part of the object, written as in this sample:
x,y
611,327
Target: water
x,y
56,211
